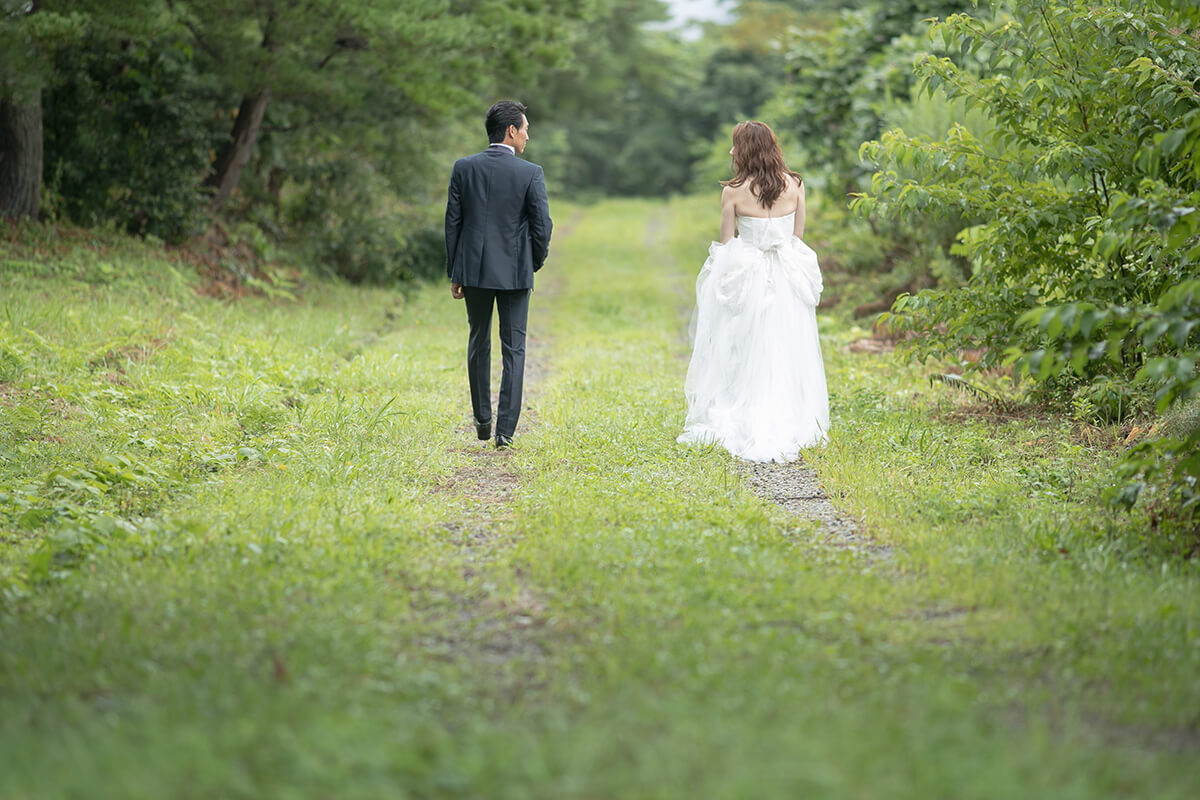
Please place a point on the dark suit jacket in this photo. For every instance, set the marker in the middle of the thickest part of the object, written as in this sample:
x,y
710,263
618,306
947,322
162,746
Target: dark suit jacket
x,y
497,221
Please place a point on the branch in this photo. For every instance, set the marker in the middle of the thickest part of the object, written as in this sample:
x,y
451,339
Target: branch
x,y
200,40
343,43
267,44
1050,30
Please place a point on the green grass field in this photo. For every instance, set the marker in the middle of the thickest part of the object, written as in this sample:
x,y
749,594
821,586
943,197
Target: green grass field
x,y
251,549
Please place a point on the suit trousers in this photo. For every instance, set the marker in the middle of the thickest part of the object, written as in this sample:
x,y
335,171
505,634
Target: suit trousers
x,y
514,313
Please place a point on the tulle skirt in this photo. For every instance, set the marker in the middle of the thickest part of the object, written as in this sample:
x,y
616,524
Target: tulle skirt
x,y
756,381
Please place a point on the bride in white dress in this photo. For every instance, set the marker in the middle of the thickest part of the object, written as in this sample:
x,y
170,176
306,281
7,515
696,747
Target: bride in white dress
x,y
756,382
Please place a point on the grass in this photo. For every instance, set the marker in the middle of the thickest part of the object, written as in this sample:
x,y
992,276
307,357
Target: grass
x,y
250,549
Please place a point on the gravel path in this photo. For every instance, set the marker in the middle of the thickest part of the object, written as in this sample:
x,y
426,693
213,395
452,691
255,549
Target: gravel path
x,y
796,489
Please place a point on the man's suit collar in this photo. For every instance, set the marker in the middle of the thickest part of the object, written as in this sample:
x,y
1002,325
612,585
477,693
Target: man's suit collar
x,y
501,147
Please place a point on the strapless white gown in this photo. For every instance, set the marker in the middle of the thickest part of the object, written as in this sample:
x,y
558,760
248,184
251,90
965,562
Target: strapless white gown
x,y
756,381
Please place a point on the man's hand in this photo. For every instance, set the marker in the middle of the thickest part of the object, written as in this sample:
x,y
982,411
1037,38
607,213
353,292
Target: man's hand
x,y
456,291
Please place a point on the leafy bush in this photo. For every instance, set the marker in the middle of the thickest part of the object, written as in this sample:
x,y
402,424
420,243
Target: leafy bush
x,y
1164,337
844,78
127,140
1091,227
365,250
353,228
424,255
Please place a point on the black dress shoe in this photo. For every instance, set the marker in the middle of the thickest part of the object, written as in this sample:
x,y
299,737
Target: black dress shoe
x,y
483,430
503,441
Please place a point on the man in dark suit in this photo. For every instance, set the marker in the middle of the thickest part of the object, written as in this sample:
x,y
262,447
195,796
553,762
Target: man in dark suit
x,y
497,235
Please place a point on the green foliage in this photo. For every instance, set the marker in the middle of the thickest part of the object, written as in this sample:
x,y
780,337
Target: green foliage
x,y
62,504
364,249
27,41
424,254
633,111
370,82
30,43
143,96
846,76
622,79
128,136
1088,189
1081,337
12,360
930,244
616,107
348,224
843,77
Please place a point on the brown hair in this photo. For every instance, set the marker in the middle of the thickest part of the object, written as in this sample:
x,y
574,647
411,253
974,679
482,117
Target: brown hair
x,y
757,157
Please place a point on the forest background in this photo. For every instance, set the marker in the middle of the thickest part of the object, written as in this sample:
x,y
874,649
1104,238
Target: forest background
x,y
1016,181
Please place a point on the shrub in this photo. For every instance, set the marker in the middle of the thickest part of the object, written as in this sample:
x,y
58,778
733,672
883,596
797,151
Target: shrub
x,y
352,226
127,138
423,256
1091,225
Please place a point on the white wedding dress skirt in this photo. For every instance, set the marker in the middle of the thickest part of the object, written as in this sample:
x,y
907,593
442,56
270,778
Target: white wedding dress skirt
x,y
756,382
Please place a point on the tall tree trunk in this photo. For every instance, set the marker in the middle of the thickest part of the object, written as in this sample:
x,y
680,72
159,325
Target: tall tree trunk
x,y
237,152
21,158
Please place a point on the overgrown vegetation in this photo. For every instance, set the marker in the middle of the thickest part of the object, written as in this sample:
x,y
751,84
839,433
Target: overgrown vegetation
x,y
1086,235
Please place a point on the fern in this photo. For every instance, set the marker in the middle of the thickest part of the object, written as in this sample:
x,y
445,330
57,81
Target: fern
x,y
958,382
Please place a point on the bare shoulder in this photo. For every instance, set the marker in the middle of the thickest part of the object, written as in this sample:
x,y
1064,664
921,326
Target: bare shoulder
x,y
795,189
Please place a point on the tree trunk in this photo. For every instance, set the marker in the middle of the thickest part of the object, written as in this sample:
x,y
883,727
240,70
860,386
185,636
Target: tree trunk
x,y
275,181
21,151
21,158
233,159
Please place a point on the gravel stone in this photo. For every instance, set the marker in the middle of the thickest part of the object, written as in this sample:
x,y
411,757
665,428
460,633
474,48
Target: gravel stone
x,y
796,489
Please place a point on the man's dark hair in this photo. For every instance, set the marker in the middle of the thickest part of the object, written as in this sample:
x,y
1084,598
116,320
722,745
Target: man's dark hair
x,y
500,116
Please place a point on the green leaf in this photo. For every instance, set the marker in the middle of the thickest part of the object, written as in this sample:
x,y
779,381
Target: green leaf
x,y
1127,497
1087,322
1107,245
1055,327
1034,362
1171,141
1032,317
1180,331
1153,331
1079,360
1048,365
1181,231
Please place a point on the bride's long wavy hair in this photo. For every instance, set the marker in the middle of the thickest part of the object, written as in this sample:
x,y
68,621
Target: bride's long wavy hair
x,y
758,158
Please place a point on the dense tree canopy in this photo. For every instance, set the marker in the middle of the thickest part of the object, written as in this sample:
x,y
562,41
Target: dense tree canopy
x,y
367,76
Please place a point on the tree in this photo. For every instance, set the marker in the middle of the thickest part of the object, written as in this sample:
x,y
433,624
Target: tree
x,y
842,69
20,113
635,108
21,156
31,32
325,58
